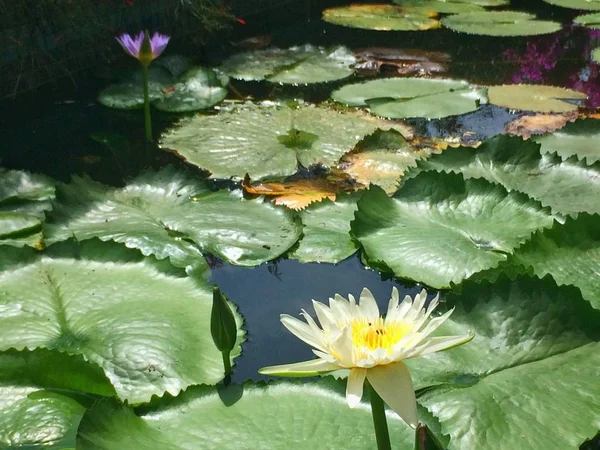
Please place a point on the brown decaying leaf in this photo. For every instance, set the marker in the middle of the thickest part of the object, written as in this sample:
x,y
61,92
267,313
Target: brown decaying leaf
x,y
298,194
527,126
370,61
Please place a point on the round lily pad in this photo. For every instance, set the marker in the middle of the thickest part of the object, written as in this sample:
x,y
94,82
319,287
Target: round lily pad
x,y
596,55
443,6
588,20
381,18
413,97
531,97
295,65
500,23
592,5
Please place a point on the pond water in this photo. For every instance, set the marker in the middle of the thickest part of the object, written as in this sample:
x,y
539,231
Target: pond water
x,y
66,133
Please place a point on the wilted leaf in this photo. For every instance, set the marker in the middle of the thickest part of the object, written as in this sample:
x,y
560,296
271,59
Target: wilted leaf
x,y
401,61
500,23
533,97
381,18
527,126
299,193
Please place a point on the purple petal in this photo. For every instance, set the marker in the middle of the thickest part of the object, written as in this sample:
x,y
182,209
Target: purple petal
x,y
129,45
158,43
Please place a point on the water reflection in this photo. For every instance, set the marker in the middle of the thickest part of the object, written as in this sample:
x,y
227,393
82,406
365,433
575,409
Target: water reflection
x,y
263,293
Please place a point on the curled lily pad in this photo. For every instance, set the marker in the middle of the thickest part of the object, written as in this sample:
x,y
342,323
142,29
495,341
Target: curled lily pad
x,y
592,5
589,20
267,140
198,88
500,23
296,65
533,97
413,97
381,18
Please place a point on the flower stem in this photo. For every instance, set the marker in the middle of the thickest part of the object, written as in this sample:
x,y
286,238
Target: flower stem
x,y
227,365
379,421
147,119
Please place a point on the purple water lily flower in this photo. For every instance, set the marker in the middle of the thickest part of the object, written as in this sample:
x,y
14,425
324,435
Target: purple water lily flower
x,y
144,53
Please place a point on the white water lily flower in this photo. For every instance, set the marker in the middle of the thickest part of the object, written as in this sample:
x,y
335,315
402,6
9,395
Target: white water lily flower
x,y
354,336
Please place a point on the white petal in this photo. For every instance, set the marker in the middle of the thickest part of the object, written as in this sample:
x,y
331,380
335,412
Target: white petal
x,y
434,324
393,384
417,306
421,321
393,304
402,310
438,344
368,305
326,319
354,387
300,369
303,331
325,356
342,348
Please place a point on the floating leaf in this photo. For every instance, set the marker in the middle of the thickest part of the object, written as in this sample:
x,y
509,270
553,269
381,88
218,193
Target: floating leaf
x,y
596,55
533,97
444,6
381,159
306,416
529,125
568,187
412,97
570,253
268,141
198,88
440,229
576,4
296,65
381,18
579,139
297,194
589,20
500,23
534,361
149,331
171,214
326,236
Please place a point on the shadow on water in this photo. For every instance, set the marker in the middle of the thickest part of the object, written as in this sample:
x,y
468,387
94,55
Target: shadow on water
x,y
263,293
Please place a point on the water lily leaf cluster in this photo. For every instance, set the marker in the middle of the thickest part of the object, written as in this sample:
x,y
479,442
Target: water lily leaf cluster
x,y
413,97
195,89
500,23
269,140
296,65
382,17
24,198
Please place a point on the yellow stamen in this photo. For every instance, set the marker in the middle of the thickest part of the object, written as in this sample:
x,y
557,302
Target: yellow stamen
x,y
378,334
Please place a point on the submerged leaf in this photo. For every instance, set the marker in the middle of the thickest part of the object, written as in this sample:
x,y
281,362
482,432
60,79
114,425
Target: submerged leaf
x,y
500,23
269,141
381,17
533,97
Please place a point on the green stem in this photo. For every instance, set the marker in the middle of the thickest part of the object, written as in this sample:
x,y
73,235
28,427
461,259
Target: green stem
x,y
147,119
227,365
379,421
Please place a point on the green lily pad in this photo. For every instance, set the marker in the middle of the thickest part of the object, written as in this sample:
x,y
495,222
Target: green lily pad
x,y
576,4
579,139
296,65
533,97
381,18
440,229
444,6
147,330
589,20
12,223
33,414
596,55
381,159
305,415
568,187
17,185
500,23
198,88
412,97
171,214
569,252
326,236
254,139
534,361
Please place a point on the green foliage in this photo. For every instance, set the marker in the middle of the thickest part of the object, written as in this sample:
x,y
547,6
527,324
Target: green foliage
x,y
500,23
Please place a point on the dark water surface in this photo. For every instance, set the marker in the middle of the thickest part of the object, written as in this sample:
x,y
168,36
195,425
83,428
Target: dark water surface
x,y
60,132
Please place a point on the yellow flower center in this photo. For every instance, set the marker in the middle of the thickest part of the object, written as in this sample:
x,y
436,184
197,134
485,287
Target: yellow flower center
x,y
378,334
